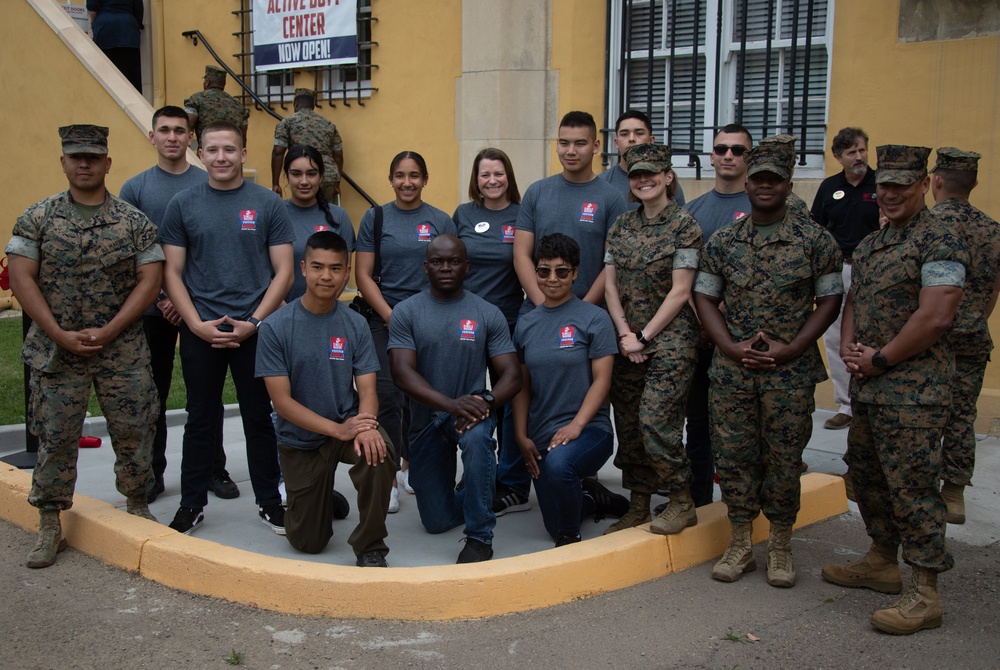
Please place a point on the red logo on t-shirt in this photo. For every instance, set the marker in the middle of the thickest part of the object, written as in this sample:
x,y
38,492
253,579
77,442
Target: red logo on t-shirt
x,y
868,197
338,345
468,330
567,336
508,234
248,219
588,211
320,229
423,232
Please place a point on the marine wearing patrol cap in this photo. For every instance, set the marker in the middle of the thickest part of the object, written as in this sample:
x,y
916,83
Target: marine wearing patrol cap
x,y
901,164
648,158
773,154
305,93
214,72
84,139
950,158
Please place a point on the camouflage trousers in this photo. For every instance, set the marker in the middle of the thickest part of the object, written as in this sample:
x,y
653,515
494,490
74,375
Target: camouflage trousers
x,y
330,190
58,408
758,438
959,451
894,453
649,400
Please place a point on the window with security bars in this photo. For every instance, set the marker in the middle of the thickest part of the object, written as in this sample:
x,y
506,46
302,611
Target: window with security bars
x,y
345,84
696,65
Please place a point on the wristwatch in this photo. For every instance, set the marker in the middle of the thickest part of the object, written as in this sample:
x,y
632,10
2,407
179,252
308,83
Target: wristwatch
x,y
490,400
255,322
879,362
642,338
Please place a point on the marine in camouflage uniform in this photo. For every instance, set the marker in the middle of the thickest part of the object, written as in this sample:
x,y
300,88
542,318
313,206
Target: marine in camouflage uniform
x,y
649,397
768,268
84,270
307,127
908,283
794,203
954,178
214,104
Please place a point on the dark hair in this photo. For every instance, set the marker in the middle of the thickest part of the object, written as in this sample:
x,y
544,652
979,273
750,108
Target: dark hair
x,y
671,188
493,154
634,114
304,101
733,128
217,126
958,181
413,155
558,245
316,158
579,120
327,240
172,112
845,139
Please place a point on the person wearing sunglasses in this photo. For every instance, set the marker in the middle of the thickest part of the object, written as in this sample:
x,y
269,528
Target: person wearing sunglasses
x,y
650,267
561,423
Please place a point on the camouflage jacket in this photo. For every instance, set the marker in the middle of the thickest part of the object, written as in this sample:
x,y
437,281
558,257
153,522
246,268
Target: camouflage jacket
x,y
86,272
307,127
890,267
770,286
214,104
797,205
970,333
644,256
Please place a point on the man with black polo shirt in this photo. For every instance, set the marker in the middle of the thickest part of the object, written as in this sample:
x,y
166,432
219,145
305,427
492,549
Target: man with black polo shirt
x,y
845,205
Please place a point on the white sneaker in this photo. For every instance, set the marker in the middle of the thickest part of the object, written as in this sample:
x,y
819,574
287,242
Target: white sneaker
x,y
394,500
403,479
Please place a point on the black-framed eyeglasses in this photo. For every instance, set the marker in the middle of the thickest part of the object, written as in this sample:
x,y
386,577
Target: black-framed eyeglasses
x,y
737,149
562,273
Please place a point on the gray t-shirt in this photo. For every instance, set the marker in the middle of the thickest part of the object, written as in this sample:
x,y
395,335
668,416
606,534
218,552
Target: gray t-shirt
x,y
152,189
584,212
489,238
618,178
321,354
305,222
453,340
715,210
557,346
405,234
227,236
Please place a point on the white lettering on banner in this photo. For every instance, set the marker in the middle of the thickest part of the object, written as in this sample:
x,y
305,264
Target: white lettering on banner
x,y
289,53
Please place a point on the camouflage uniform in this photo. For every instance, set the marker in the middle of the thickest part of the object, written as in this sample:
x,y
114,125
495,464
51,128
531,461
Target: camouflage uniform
x,y
894,444
649,398
214,104
762,420
795,204
307,127
86,272
970,334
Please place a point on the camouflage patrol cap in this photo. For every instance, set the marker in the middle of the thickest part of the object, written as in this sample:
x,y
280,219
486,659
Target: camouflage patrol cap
x,y
950,158
305,93
84,139
773,154
213,71
901,164
784,138
648,158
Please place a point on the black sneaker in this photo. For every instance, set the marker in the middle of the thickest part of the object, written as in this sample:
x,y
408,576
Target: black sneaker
x,y
567,539
475,551
187,519
372,559
607,503
155,491
223,486
506,501
273,516
341,508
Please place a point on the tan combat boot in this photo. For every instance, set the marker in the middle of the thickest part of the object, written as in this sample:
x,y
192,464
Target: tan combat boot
x,y
878,570
50,540
954,499
677,516
780,568
917,609
637,514
738,557
138,506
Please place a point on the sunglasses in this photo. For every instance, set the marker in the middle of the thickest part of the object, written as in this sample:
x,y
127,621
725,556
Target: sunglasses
x,y
562,273
721,149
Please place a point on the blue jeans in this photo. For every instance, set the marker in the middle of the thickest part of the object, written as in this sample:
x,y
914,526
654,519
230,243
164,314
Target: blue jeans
x,y
511,471
558,488
432,476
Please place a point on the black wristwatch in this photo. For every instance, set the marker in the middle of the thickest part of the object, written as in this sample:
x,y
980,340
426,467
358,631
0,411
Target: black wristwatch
x,y
879,362
255,322
490,400
642,338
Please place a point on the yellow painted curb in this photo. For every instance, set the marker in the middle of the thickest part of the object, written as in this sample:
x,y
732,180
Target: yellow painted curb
x,y
507,585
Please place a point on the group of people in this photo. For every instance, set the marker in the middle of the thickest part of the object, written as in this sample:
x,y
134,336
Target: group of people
x,y
524,319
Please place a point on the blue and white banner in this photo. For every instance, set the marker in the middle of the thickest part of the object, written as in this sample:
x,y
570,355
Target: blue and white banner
x,y
304,33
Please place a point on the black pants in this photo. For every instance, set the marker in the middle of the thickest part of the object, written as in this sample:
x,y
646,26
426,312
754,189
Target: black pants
x,y
699,443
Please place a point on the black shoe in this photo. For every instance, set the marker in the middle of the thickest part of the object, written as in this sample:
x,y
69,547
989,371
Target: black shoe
x,y
567,539
223,486
506,501
187,519
607,503
475,551
372,559
341,508
273,516
154,492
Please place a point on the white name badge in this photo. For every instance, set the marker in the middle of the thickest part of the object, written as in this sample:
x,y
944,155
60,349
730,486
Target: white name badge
x,y
483,226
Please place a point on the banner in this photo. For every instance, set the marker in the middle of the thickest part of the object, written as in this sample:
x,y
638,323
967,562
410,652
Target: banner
x,y
304,33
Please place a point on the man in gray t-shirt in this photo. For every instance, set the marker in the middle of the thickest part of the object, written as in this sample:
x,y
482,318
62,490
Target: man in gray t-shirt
x,y
632,128
440,341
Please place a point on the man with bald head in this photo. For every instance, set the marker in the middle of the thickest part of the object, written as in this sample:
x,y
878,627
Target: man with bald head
x,y
440,342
